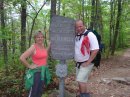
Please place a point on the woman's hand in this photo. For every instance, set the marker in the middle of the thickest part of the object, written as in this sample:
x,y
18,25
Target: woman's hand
x,y
49,46
32,66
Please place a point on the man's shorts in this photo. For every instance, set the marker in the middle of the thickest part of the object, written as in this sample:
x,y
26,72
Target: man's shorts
x,y
83,73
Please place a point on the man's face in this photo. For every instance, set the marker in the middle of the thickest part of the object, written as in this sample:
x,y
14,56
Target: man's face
x,y
80,28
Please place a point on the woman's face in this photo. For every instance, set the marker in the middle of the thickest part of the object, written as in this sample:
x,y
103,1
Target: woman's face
x,y
39,38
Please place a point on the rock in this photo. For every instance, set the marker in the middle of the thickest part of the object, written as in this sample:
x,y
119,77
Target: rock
x,y
128,79
105,80
122,80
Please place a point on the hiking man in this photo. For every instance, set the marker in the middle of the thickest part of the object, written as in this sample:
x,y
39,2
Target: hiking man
x,y
84,45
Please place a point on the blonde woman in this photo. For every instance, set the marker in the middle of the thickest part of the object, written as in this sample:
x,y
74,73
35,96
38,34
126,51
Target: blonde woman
x,y
38,72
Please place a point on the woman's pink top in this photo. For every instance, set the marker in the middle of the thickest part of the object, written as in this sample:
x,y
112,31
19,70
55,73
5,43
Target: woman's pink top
x,y
40,57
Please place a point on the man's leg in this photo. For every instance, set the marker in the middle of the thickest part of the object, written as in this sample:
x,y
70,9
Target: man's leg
x,y
82,78
83,89
82,75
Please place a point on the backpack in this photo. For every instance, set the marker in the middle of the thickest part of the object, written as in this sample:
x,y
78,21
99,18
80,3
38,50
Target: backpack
x,y
97,58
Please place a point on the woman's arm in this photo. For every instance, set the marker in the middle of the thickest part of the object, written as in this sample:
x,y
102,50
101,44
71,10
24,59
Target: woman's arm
x,y
27,54
49,47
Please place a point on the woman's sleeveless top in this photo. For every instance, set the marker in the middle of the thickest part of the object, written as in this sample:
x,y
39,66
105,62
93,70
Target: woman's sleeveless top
x,y
40,56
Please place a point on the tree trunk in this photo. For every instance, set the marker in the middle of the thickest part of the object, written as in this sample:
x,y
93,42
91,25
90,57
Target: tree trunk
x,y
4,41
112,22
63,8
59,5
13,39
92,15
23,26
53,8
83,10
98,18
23,39
121,34
117,29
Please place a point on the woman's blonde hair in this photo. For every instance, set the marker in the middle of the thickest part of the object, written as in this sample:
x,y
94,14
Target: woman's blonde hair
x,y
36,34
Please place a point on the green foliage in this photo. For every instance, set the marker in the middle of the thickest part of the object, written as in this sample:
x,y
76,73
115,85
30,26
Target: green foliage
x,y
71,66
10,84
52,63
45,95
70,8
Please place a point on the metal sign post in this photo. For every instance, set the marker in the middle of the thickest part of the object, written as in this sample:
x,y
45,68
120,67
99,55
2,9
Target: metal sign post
x,y
61,72
62,34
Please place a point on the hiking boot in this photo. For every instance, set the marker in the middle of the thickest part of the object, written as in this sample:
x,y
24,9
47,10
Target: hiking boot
x,y
84,95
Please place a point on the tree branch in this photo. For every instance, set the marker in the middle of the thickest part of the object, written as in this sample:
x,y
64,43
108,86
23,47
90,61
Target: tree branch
x,y
34,23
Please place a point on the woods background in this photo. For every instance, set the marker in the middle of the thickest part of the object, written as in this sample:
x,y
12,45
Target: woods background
x,y
20,19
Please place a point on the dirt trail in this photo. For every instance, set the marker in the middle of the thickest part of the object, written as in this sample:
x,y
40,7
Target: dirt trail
x,y
117,67
108,80
101,84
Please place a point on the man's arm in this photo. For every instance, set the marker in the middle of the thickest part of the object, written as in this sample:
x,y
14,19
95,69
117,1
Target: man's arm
x,y
91,58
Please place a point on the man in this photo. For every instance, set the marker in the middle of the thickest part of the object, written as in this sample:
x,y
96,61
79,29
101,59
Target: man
x,y
86,48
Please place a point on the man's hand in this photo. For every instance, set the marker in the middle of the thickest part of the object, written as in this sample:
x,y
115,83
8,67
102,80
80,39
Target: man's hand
x,y
85,64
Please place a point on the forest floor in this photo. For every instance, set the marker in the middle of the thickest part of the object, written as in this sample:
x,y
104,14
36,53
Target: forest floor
x,y
112,79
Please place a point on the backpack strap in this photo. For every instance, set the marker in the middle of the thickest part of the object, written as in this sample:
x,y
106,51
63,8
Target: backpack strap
x,y
86,33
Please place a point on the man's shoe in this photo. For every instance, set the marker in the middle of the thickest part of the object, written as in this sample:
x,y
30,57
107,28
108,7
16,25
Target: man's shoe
x,y
84,95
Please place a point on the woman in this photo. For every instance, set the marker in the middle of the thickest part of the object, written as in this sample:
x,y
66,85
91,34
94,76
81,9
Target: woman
x,y
38,73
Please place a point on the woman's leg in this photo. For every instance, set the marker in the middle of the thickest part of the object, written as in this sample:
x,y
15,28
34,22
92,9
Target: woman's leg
x,y
40,88
37,88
